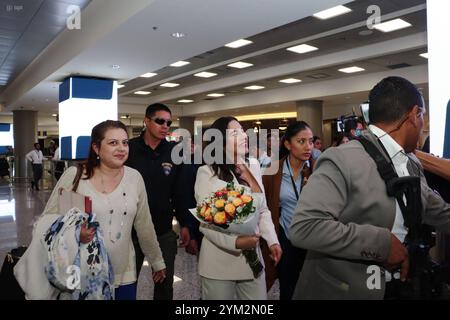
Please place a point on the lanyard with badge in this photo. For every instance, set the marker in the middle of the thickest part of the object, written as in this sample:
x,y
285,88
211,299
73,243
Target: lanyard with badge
x,y
292,178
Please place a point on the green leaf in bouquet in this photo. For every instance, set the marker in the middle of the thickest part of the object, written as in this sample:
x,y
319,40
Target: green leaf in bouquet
x,y
230,185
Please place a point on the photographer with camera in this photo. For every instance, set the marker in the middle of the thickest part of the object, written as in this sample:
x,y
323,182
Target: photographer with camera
x,y
364,222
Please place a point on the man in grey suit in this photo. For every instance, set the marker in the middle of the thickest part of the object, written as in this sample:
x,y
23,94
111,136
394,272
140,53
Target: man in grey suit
x,y
345,218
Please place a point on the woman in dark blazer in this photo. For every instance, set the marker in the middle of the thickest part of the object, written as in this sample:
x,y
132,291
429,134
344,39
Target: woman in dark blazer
x,y
282,193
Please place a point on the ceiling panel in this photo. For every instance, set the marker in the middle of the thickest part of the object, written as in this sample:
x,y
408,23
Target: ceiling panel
x,y
294,31
378,64
26,28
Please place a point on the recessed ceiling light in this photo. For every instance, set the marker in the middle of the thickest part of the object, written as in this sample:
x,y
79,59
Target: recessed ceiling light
x,y
178,35
142,93
240,65
215,95
351,69
205,74
254,87
238,43
332,12
170,85
424,55
185,101
290,80
392,25
120,86
148,75
302,48
115,66
179,63
54,115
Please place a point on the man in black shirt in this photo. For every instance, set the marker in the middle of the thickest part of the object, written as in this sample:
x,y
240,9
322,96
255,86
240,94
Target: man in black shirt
x,y
150,154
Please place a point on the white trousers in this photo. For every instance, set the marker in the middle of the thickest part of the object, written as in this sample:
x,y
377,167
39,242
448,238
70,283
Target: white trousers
x,y
255,289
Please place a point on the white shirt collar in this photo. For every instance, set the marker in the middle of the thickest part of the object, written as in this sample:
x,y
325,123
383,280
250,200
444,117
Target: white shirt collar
x,y
391,146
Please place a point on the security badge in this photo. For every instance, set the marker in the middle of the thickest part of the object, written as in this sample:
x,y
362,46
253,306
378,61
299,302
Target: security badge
x,y
167,168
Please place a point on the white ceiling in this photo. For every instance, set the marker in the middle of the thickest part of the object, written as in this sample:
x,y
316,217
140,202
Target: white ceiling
x,y
136,35
136,46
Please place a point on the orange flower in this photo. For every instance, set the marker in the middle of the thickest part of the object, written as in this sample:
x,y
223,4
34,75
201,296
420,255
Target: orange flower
x,y
246,198
230,210
220,218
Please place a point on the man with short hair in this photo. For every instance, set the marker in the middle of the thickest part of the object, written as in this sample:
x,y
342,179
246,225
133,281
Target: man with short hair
x,y
317,143
353,128
150,154
35,157
345,217
317,150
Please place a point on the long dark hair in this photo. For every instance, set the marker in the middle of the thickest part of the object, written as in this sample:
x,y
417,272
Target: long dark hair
x,y
97,135
223,170
292,130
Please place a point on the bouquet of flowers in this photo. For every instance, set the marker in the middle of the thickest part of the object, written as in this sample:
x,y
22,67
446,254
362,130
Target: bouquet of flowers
x,y
231,210
227,206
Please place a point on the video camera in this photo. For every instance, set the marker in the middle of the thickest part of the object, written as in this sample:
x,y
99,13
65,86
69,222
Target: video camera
x,y
347,122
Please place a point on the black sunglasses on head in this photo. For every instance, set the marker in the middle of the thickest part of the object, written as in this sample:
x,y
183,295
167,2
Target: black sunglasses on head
x,y
161,121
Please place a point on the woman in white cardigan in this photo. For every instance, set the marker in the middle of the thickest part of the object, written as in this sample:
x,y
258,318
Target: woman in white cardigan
x,y
119,201
225,273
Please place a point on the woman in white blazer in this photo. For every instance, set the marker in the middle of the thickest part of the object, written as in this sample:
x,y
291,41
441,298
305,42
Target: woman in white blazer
x,y
224,271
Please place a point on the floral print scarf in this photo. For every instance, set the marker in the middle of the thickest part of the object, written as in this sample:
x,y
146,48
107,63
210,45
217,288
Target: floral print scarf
x,y
79,271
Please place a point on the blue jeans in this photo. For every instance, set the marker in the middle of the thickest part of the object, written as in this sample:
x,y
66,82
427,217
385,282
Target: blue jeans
x,y
126,292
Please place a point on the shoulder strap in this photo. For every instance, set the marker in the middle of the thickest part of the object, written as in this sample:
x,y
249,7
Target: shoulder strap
x,y
384,167
292,179
408,187
76,180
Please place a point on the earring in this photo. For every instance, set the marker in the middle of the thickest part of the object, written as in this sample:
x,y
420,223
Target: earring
x,y
98,157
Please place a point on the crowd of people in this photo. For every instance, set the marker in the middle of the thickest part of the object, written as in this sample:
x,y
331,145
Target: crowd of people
x,y
323,218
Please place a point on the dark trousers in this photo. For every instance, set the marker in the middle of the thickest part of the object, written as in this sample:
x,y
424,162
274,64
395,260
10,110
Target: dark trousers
x,y
37,174
289,266
168,245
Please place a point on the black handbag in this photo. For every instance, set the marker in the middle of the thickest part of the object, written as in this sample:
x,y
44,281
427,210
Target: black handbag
x,y
9,287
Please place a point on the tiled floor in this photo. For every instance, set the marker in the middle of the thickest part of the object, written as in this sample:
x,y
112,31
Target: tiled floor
x,y
19,207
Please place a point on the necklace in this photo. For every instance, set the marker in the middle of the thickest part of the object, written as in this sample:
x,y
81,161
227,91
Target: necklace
x,y
103,182
118,235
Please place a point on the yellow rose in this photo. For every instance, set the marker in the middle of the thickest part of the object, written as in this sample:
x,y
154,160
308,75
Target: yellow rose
x,y
237,202
230,209
203,210
219,203
220,218
233,193
246,198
